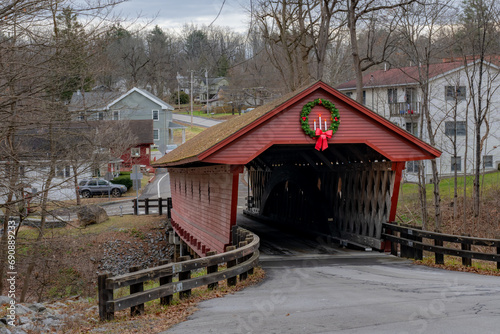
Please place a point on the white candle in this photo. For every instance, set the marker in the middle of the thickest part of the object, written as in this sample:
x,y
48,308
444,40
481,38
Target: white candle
x,y
314,125
320,121
325,126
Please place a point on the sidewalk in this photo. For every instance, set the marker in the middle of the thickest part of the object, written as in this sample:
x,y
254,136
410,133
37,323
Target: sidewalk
x,y
198,121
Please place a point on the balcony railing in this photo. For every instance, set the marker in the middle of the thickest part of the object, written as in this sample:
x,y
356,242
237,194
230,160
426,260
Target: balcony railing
x,y
405,109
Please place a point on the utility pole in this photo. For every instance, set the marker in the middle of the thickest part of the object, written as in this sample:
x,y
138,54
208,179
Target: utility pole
x,y
178,90
192,97
206,79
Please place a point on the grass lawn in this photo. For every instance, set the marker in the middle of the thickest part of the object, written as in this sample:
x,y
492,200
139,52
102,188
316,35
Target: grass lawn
x,y
446,187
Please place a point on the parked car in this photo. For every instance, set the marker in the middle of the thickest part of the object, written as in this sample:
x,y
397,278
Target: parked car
x,y
89,188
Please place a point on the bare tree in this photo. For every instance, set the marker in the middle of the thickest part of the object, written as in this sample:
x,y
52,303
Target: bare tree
x,y
419,26
372,14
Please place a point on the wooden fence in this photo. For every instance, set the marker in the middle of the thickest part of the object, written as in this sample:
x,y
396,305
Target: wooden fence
x,y
160,203
412,244
240,261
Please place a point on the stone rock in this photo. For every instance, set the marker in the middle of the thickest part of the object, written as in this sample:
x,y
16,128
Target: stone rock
x,y
91,214
4,330
22,310
4,300
37,307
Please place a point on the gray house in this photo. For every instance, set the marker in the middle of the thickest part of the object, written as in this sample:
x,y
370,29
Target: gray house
x,y
136,104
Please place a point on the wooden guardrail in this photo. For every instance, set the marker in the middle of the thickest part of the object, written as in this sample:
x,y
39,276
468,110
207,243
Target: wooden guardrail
x,y
160,203
412,245
240,261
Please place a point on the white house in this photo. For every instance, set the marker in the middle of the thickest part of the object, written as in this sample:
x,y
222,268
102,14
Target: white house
x,y
396,95
136,104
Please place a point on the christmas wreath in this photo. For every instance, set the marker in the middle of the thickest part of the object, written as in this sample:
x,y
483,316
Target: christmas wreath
x,y
321,136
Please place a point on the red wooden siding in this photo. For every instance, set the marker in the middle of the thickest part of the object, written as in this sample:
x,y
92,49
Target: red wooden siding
x,y
143,159
201,201
285,128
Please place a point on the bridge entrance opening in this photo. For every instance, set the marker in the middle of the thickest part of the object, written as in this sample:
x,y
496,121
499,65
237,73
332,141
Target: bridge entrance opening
x,y
344,192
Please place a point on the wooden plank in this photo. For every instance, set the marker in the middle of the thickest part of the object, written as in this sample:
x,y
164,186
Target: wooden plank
x,y
105,295
446,237
174,268
171,288
135,288
444,250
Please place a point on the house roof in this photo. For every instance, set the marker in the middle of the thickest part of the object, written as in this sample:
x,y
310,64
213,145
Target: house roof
x,y
400,76
100,99
205,146
146,94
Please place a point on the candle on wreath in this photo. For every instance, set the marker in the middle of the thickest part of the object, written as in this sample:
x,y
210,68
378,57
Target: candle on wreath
x,y
325,126
314,125
320,122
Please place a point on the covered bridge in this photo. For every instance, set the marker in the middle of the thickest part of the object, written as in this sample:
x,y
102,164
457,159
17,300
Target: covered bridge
x,y
316,161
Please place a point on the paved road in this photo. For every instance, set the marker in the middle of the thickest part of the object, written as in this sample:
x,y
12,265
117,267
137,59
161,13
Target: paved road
x,y
352,295
198,121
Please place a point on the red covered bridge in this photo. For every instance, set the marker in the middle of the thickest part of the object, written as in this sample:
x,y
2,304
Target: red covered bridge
x,y
346,190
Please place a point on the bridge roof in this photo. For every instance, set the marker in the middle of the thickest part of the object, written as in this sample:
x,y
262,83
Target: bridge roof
x,y
240,139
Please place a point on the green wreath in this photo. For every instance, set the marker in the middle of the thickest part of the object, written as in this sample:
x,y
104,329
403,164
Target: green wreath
x,y
304,116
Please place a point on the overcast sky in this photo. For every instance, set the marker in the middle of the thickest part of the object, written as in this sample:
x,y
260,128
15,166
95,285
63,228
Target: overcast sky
x,y
175,13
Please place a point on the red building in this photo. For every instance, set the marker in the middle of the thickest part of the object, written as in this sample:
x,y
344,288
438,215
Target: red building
x,y
344,183
140,152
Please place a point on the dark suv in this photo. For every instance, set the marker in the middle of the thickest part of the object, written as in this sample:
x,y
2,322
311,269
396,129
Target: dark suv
x,y
89,188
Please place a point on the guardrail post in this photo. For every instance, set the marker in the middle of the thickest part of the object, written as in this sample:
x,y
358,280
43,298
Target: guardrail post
x,y
167,300
419,253
212,269
467,247
105,295
231,281
403,248
134,288
136,206
243,276
184,275
249,239
146,206
160,206
439,258
234,235
169,207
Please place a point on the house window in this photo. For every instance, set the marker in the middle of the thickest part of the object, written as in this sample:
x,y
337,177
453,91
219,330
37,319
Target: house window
x,y
364,97
454,93
147,150
156,134
81,116
116,115
488,161
100,116
392,95
156,115
63,171
348,94
135,152
412,127
456,164
412,166
410,95
451,127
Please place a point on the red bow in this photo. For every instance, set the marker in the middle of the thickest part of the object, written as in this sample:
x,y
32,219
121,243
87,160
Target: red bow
x,y
322,141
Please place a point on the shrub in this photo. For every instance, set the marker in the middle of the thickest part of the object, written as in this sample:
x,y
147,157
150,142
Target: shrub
x,y
123,179
182,96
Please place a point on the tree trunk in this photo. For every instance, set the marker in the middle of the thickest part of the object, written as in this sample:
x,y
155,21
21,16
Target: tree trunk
x,y
351,23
